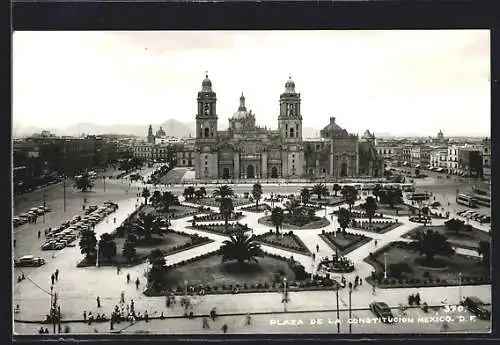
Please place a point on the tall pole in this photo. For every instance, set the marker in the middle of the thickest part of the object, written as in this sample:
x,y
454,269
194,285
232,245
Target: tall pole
x,y
97,255
385,266
459,287
104,183
312,267
185,288
285,297
350,310
44,205
338,311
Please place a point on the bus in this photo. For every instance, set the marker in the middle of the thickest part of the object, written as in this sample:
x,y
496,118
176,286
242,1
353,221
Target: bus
x,y
407,187
419,196
482,200
466,200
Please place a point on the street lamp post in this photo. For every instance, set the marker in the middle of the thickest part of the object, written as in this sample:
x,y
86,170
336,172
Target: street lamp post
x,y
459,287
185,288
350,309
104,183
285,297
97,255
385,265
312,267
44,205
338,311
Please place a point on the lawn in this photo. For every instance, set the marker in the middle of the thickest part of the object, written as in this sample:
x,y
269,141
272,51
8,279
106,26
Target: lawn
x,y
211,271
217,217
287,241
344,243
472,269
328,200
252,208
378,227
175,212
215,203
463,239
220,228
313,223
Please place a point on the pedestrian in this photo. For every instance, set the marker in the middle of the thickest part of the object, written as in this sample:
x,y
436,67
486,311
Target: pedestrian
x,y
137,282
83,207
52,278
118,269
205,323
84,315
111,325
122,297
376,243
373,289
128,278
56,274
114,220
317,248
146,316
224,328
360,281
249,319
98,300
39,233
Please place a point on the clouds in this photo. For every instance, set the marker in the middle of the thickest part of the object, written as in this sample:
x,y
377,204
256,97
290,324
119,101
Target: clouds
x,y
367,79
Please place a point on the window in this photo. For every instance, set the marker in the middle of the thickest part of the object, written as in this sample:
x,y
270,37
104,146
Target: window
x,y
291,132
206,156
206,132
293,155
324,171
317,147
293,160
183,162
206,163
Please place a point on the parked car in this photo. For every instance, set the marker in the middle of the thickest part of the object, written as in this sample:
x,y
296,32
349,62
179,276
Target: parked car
x,y
476,307
382,310
59,246
29,260
48,245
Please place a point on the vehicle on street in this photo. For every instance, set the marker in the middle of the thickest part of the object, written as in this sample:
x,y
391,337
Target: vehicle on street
x,y
476,307
382,310
29,260
466,200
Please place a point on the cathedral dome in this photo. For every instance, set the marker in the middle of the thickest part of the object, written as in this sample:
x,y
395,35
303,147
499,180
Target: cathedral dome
x,y
242,110
206,85
290,85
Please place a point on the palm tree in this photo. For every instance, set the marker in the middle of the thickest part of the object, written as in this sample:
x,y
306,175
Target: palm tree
x,y
145,194
242,248
128,250
157,259
277,216
189,192
168,199
344,218
320,190
257,193
83,183
305,194
144,225
223,191
484,251
336,188
107,246
156,199
377,192
350,195
202,192
370,206
431,243
226,207
88,244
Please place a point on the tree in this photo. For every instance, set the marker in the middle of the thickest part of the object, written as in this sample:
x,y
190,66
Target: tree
x,y
88,244
157,260
241,248
377,192
156,199
107,246
344,218
223,191
305,195
144,225
370,206
336,188
277,216
431,243
484,251
189,192
320,190
83,183
201,193
145,194
257,193
226,208
350,195
454,225
128,250
168,199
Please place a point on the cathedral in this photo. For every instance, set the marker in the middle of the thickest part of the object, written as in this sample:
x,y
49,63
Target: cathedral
x,y
248,151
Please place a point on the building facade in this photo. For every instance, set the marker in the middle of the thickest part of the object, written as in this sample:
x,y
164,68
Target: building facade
x,y
246,150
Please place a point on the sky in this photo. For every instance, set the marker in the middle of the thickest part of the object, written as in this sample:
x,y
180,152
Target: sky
x,y
385,81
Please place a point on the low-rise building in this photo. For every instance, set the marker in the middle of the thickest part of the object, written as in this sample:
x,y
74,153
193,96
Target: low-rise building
x,y
470,162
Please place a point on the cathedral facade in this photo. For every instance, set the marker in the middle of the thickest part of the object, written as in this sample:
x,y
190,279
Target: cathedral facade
x,y
248,151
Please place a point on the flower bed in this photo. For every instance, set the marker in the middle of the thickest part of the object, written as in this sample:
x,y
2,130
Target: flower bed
x,y
298,280
343,242
377,226
214,202
288,241
216,216
220,228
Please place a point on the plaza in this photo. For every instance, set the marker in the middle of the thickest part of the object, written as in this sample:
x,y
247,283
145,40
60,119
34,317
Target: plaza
x,y
78,288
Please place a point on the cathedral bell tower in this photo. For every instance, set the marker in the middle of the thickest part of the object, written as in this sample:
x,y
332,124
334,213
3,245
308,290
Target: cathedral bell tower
x,y
206,161
290,129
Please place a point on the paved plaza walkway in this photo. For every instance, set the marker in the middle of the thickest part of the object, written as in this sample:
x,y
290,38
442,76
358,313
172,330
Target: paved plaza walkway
x,y
78,288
